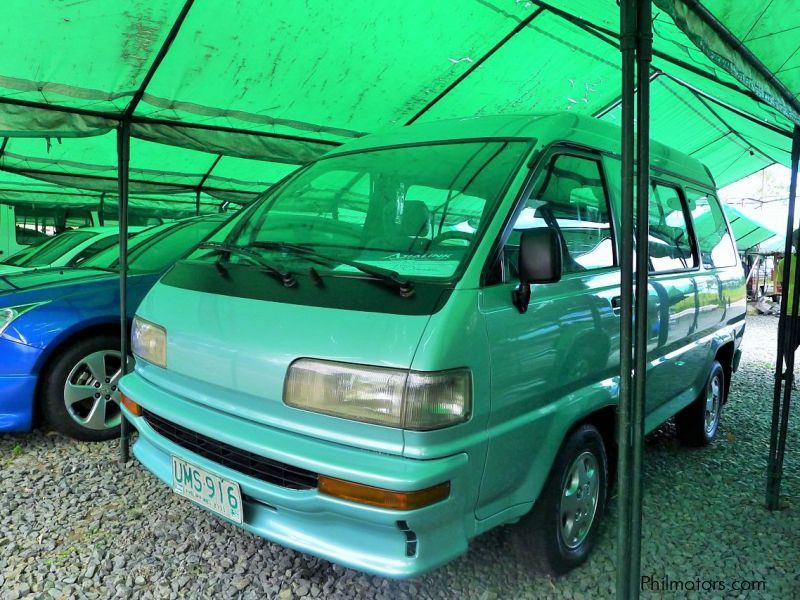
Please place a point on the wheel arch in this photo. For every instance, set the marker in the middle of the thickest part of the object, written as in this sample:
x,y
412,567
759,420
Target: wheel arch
x,y
601,416
54,349
70,335
724,355
604,419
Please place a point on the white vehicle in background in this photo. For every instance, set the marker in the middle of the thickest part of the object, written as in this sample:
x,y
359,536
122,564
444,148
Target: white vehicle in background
x,y
25,226
12,241
67,249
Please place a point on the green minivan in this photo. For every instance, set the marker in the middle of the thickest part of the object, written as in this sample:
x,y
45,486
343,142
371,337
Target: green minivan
x,y
415,339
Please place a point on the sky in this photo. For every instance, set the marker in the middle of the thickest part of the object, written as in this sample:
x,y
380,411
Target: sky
x,y
764,194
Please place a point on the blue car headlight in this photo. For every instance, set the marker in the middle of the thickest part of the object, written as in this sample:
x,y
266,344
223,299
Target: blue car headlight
x,y
11,313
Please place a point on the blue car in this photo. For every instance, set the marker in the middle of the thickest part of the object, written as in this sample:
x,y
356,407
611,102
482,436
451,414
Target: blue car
x,y
59,333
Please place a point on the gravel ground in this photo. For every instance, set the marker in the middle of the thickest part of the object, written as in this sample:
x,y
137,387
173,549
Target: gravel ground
x,y
74,524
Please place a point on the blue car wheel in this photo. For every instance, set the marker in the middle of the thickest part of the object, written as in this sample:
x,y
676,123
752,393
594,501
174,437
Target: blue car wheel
x,y
81,398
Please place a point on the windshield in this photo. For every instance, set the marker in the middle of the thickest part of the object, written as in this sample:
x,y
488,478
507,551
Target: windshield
x,y
416,210
108,258
52,249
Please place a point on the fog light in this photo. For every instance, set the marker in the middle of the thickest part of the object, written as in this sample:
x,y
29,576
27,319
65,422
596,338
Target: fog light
x,y
374,496
132,407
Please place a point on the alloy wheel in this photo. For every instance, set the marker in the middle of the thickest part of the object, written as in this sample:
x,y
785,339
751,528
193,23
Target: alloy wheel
x,y
91,392
713,404
579,497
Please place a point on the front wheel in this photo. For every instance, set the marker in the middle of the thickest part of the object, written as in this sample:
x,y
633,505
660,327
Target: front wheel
x,y
560,531
80,389
698,423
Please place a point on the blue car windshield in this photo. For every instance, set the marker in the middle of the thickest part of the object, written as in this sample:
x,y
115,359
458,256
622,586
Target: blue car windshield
x,y
416,210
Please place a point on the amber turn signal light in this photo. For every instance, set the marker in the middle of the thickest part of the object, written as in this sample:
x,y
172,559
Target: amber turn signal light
x,y
374,496
132,407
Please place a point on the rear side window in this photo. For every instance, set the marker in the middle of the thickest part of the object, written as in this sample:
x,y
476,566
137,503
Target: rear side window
x,y
670,242
714,240
571,199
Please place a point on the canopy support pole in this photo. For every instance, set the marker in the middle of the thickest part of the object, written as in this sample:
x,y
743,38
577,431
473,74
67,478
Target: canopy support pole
x,y
731,130
782,394
636,40
123,164
738,111
599,114
474,66
644,57
203,181
159,58
101,213
624,410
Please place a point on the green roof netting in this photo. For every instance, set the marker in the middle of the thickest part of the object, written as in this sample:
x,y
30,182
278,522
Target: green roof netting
x,y
208,84
748,229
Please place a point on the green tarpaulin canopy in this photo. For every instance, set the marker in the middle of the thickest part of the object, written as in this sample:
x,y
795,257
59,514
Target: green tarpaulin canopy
x,y
748,229
282,82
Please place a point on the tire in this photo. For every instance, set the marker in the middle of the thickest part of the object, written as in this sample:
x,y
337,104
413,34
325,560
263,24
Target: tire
x,y
79,392
549,537
698,423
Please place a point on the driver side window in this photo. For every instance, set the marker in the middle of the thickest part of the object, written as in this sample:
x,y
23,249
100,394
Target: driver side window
x,y
571,199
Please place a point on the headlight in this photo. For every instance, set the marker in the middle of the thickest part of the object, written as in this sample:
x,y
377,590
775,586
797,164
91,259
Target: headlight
x,y
149,342
391,397
12,313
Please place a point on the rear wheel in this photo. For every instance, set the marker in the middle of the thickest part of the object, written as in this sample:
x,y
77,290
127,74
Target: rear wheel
x,y
698,423
80,391
560,531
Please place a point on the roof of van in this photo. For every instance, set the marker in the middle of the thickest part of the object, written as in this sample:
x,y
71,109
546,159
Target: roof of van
x,y
546,128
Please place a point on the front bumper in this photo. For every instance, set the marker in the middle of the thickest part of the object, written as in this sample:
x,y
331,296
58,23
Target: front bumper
x,y
383,542
18,381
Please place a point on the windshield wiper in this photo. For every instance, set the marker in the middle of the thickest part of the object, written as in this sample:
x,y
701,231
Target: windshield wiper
x,y
226,250
385,276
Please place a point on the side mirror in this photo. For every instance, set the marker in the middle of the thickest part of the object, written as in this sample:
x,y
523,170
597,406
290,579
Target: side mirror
x,y
539,262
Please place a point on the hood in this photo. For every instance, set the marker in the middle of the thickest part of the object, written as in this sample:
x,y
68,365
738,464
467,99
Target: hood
x,y
232,353
37,284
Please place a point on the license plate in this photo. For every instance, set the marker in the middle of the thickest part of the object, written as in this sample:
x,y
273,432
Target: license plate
x,y
215,493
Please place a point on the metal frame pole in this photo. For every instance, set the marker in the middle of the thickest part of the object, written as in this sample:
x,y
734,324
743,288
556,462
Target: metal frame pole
x,y
644,49
476,65
101,214
782,393
624,410
123,171
200,185
636,41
